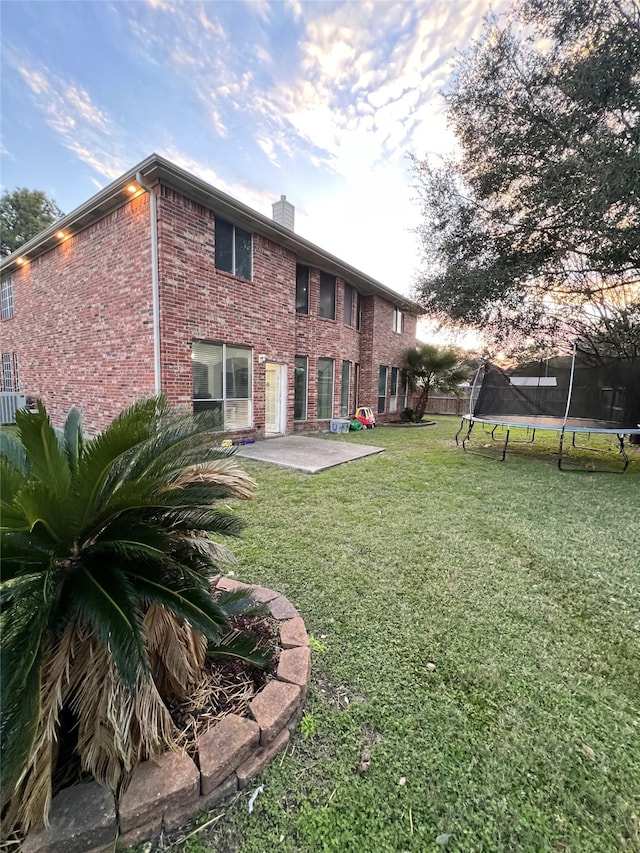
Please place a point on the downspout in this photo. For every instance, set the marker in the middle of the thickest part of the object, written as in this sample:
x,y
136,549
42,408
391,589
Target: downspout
x,y
155,283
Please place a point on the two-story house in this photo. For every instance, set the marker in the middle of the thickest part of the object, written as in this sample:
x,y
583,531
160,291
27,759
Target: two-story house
x,y
162,283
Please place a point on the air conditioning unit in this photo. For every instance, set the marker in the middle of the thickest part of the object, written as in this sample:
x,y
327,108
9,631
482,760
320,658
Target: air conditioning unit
x,y
10,402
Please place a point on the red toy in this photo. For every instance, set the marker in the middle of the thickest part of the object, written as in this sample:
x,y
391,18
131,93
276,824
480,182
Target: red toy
x,y
365,415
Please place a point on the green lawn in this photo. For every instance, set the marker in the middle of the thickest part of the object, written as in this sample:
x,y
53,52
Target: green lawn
x,y
521,584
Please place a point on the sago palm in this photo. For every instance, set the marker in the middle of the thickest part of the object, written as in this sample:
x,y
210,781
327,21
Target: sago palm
x,y
108,549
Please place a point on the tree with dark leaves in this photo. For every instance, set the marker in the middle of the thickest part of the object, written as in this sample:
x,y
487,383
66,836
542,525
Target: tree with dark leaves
x,y
541,211
23,214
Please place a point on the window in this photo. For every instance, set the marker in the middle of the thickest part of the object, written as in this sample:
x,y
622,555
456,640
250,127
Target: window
x,y
300,388
382,389
6,299
233,249
222,381
327,296
348,305
7,378
404,389
302,289
356,386
397,320
344,389
393,390
358,312
325,388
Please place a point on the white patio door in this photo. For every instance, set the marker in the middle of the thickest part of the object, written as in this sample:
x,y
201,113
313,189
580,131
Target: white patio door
x,y
275,399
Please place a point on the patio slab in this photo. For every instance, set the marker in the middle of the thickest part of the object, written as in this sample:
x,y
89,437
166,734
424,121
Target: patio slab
x,y
306,454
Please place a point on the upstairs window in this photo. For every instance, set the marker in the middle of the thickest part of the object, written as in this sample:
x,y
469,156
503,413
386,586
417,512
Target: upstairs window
x,y
397,321
302,289
327,306
358,312
233,249
6,299
348,305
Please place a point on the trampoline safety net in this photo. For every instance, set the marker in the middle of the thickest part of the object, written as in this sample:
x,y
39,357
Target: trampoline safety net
x,y
608,393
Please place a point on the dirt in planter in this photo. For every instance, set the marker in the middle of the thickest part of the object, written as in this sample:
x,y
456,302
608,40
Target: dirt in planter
x,y
228,685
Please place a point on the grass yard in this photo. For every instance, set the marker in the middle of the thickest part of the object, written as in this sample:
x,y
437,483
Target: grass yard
x,y
520,584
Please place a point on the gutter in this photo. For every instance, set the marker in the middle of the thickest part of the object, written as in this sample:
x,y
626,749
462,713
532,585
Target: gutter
x,y
155,282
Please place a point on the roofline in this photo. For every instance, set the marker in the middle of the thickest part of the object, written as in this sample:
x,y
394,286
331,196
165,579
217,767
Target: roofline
x,y
157,168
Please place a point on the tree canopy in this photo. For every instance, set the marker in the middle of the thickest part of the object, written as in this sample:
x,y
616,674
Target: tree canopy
x,y
541,210
23,214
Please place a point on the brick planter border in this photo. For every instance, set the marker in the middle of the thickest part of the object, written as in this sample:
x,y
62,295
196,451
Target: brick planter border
x,y
164,794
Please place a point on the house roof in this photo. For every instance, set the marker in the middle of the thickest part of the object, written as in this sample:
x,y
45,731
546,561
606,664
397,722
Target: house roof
x,y
157,168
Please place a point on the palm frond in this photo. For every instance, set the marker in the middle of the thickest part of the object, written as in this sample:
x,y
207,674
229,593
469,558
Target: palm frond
x,y
222,476
73,438
195,605
31,798
239,602
242,645
106,459
118,727
176,651
43,451
105,598
23,621
12,451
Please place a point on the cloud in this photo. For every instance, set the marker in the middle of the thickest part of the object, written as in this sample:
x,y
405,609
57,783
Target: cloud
x,y
80,125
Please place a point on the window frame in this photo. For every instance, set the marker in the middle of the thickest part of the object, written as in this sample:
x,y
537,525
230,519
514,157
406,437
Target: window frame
x,y
299,270
347,316
382,385
398,320
224,400
7,307
237,234
296,400
326,279
393,390
345,388
323,417
8,383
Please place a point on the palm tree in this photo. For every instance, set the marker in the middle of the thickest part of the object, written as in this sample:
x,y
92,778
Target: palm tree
x,y
106,603
431,368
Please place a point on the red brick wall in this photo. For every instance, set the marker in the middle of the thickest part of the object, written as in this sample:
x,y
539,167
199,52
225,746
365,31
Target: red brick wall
x,y
197,301
83,324
83,317
383,347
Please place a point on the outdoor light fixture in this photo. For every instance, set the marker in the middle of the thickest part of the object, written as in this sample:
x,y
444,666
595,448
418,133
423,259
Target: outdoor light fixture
x,y
20,261
60,235
132,188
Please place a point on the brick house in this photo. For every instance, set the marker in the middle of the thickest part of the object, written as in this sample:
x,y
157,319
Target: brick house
x,y
161,282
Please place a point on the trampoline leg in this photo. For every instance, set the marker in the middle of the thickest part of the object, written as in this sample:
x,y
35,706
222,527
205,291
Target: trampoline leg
x,y
506,442
467,436
623,452
560,448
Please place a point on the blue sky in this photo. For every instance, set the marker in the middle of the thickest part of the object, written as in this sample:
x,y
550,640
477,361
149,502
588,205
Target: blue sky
x,y
321,101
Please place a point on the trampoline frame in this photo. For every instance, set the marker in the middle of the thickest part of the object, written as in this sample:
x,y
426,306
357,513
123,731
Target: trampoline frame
x,y
562,426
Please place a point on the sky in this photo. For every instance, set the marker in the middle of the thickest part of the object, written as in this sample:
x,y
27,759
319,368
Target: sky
x,y
321,101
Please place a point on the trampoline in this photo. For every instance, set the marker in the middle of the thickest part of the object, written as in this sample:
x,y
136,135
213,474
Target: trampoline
x,y
569,396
